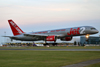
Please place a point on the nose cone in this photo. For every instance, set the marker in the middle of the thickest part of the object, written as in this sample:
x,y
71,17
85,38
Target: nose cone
x,y
93,31
97,31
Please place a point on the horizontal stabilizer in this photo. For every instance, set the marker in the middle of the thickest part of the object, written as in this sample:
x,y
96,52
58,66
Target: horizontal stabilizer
x,y
10,36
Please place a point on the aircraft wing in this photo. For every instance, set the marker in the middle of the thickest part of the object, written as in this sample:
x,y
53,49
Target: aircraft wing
x,y
40,35
34,35
10,36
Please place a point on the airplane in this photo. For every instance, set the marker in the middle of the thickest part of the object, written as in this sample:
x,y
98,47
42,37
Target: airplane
x,y
65,34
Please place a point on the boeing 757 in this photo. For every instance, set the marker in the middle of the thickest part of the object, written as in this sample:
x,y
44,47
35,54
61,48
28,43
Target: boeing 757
x,y
65,34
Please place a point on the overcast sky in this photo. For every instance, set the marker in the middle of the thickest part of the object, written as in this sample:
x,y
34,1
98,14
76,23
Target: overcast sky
x,y
37,15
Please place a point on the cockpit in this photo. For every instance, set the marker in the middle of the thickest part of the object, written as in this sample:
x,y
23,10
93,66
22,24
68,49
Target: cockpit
x,y
93,29
90,30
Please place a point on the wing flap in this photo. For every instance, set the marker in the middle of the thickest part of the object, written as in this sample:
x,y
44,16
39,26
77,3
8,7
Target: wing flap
x,y
36,35
41,35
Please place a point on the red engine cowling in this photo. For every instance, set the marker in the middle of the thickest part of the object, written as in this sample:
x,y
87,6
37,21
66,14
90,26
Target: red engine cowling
x,y
66,38
50,38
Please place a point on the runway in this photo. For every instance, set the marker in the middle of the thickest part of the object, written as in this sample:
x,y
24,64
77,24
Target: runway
x,y
85,63
56,49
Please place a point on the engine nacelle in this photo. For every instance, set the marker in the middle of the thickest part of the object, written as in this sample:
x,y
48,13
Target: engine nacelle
x,y
50,38
66,39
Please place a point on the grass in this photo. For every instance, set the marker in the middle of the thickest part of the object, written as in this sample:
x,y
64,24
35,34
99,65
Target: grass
x,y
55,47
21,58
94,65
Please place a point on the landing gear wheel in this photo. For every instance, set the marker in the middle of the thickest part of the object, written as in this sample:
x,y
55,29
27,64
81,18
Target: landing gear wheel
x,y
54,44
45,44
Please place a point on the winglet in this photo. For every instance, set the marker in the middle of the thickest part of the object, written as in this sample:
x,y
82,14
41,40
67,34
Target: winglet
x,y
14,27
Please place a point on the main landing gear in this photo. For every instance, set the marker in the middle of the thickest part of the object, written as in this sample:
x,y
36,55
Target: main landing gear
x,y
53,44
45,44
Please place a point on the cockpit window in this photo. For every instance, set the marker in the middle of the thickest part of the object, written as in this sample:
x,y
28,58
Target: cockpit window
x,y
93,29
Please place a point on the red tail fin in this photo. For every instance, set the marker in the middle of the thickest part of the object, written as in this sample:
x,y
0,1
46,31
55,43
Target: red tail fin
x,y
15,29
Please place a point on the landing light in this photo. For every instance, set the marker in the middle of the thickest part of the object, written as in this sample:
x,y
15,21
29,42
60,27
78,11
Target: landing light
x,y
87,36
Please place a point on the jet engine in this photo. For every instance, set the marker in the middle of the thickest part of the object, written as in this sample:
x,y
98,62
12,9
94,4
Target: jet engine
x,y
66,38
50,38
